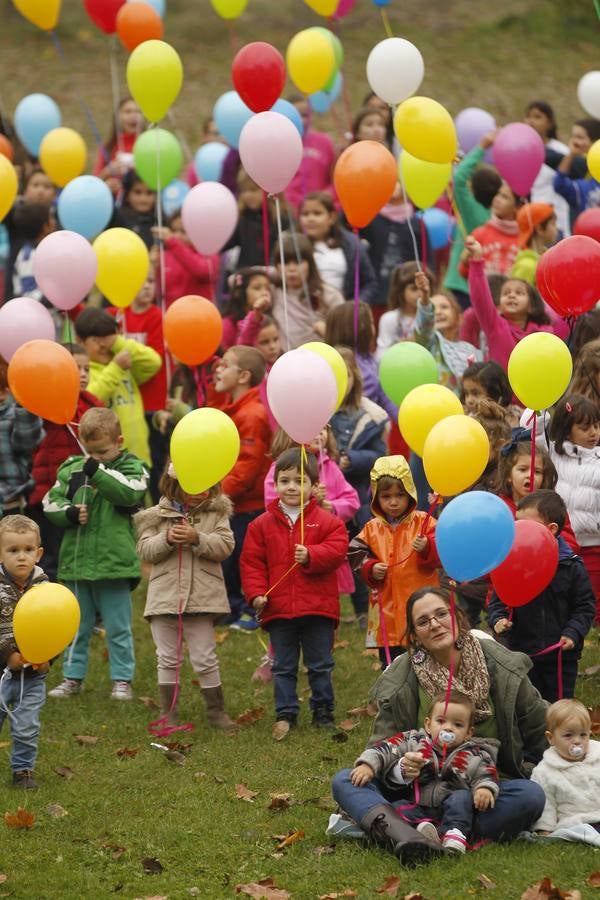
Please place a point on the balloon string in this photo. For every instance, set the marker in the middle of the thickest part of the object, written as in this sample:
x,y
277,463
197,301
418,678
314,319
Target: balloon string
x,y
409,217
559,663
161,258
347,105
114,82
356,288
457,215
294,234
232,37
423,242
265,225
386,22
533,448
303,460
282,263
452,657
384,631
187,150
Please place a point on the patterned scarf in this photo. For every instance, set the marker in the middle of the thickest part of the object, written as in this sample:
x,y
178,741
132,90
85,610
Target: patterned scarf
x,y
471,677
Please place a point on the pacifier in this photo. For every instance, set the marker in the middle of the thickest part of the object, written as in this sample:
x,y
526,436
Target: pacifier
x,y
446,737
576,751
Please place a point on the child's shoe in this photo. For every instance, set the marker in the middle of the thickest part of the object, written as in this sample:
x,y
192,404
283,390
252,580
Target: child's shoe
x,y
281,728
429,831
455,841
215,709
69,687
121,690
263,671
322,717
25,780
246,623
168,709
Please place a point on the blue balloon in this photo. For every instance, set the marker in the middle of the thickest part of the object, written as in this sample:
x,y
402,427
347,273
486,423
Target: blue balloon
x,y
287,109
474,534
209,160
439,227
158,5
230,115
85,205
322,101
381,2
35,116
173,195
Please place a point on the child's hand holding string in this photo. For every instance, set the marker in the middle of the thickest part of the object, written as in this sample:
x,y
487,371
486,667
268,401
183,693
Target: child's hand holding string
x,y
379,571
301,555
83,513
502,625
422,285
420,543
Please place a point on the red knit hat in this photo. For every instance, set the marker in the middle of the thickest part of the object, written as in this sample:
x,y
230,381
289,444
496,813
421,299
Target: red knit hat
x,y
529,216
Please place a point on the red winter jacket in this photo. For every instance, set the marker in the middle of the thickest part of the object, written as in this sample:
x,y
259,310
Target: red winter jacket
x,y
188,272
57,446
244,484
268,553
147,328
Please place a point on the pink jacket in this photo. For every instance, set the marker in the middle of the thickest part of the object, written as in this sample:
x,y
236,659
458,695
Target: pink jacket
x,y
245,331
188,272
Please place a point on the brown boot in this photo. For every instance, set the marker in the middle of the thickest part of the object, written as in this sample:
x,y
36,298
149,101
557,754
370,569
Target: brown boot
x,y
167,692
386,828
215,709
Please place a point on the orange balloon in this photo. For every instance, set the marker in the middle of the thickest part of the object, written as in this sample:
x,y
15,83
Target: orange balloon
x,y
44,378
365,176
6,148
193,329
138,22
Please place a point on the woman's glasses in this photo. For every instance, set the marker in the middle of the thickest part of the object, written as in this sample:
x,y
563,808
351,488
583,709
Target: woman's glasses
x,y
441,616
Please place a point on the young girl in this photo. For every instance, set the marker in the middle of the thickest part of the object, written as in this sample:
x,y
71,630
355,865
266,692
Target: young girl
x,y
485,381
572,181
186,538
335,248
537,232
370,124
540,116
186,270
499,237
399,323
246,244
586,372
128,124
251,295
138,210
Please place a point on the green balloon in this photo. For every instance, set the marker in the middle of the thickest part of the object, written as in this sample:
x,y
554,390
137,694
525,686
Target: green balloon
x,y
338,52
406,366
158,157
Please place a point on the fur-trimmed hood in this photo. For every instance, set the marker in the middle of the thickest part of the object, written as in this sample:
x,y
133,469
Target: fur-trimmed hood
x,y
219,504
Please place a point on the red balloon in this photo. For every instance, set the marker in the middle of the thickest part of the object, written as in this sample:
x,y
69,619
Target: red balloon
x,y
258,75
572,272
544,286
529,567
103,13
588,223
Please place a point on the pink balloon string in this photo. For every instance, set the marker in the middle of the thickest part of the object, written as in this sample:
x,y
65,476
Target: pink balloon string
x,y
265,225
559,663
356,287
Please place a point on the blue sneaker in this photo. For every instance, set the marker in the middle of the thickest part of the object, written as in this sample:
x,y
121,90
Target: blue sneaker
x,y
246,623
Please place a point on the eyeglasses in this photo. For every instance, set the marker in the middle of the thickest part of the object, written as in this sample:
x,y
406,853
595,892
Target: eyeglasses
x,y
441,616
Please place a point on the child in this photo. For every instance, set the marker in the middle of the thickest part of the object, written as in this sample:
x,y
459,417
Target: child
x,y
541,117
580,190
315,172
569,774
267,340
238,375
496,422
186,538
247,244
484,381
34,221
289,563
537,232
185,270
562,614
395,553
586,371
399,323
498,238
455,772
116,158
137,212
20,433
24,687
93,499
370,124
251,295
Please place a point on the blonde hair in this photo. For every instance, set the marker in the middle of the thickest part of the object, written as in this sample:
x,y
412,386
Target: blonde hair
x,y
99,422
563,710
20,525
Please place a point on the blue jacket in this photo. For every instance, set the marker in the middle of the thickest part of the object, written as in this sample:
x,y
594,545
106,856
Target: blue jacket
x,y
361,438
580,193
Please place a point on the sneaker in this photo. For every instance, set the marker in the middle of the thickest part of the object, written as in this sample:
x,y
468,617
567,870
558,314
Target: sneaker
x,y
322,717
25,780
281,728
121,690
263,670
455,841
429,831
68,688
340,825
246,623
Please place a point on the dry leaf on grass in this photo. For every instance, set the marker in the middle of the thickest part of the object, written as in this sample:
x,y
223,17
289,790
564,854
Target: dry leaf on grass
x,y
149,702
376,667
370,651
176,757
390,886
151,865
5,744
416,896
56,811
221,636
127,752
64,772
341,645
265,889
116,852
486,882
179,747
545,890
591,670
348,724
219,779
289,839
86,739
348,892
20,819
250,716
279,801
153,897
243,792
362,712
595,716
3,878
327,850
593,880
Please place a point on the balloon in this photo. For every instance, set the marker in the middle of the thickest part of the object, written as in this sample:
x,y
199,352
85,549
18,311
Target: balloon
x,y
193,329
173,195
43,377
405,366
424,181
210,214
455,453
158,5
231,114
588,93
421,409
154,77
544,287
23,319
395,70
63,155
572,275
540,369
65,266
588,223
35,116
426,130
205,445
322,101
518,155
439,227
474,534
43,13
323,7
302,393
310,60
471,125
365,177
343,8
593,160
85,205
103,13
136,23
6,148
45,621
270,150
287,109
337,364
8,186
158,157
338,53
529,567
229,9
258,75
123,265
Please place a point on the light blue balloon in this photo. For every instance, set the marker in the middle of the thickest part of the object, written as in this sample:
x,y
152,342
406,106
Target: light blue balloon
x,y
85,205
474,534
322,101
287,109
439,227
381,2
173,195
209,160
35,116
230,115
159,5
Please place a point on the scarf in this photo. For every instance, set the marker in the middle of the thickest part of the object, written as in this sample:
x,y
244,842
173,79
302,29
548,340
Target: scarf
x,y
471,678
506,226
397,212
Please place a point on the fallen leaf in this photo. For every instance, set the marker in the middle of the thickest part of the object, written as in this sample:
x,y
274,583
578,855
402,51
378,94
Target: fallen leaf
x,y
86,739
221,636
324,851
413,897
361,711
128,752
20,819
151,865
593,880
64,772
149,702
3,877
376,667
348,724
116,852
219,779
370,651
545,890
250,716
265,889
56,811
289,839
340,737
243,792
595,716
486,882
176,757
591,670
341,645
179,747
4,745
279,801
390,886
333,896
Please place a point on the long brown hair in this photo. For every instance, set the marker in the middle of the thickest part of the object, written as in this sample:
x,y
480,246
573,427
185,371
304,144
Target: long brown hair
x,y
339,327
402,276
352,401
586,370
298,248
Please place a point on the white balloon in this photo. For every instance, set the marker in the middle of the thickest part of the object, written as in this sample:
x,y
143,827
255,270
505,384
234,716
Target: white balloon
x,y
395,69
588,93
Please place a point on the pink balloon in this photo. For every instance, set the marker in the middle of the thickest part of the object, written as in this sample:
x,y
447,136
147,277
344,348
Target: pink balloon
x,y
209,214
344,7
24,319
271,150
518,156
65,266
302,393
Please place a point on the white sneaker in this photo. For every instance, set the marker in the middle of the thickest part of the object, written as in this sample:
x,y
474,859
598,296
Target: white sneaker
x,y
121,690
455,841
429,831
343,827
67,688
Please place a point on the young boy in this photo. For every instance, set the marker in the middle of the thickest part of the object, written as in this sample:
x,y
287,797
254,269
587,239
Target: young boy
x,y
93,500
291,581
20,434
455,772
238,374
394,553
563,612
24,690
117,367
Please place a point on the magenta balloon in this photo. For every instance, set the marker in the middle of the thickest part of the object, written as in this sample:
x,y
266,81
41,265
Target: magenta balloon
x,y
209,215
519,156
271,150
24,319
302,393
471,125
65,266
343,8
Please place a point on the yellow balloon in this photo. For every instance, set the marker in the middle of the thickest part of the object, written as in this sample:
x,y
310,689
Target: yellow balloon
x,y
337,364
540,369
229,9
421,409
43,13
123,265
426,130
593,160
63,155
205,445
455,453
8,185
45,620
154,76
323,7
424,181
310,60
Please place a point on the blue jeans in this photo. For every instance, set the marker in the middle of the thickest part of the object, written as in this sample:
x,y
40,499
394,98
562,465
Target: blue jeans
x,y
112,599
314,634
518,805
25,716
456,811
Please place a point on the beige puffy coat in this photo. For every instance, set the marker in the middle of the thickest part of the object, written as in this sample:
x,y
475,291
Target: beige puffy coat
x,y
195,581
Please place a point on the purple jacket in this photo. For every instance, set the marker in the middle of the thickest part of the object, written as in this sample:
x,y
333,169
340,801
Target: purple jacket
x,y
372,389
